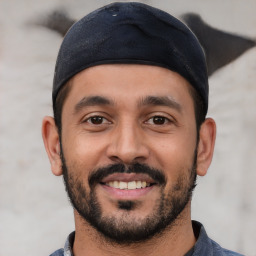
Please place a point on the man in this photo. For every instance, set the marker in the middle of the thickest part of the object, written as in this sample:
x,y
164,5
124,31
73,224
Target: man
x,y
129,133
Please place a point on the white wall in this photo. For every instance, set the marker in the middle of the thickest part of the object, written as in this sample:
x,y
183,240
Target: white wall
x,y
35,216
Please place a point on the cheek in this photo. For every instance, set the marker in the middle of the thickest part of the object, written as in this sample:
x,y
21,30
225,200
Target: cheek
x,y
174,150
83,149
175,155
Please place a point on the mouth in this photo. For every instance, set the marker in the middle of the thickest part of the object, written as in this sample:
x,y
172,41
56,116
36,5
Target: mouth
x,y
128,185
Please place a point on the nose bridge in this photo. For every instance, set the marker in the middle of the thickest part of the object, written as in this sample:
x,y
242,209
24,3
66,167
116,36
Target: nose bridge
x,y
127,142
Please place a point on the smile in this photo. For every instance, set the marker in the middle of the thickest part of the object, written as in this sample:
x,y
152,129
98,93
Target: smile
x,y
128,185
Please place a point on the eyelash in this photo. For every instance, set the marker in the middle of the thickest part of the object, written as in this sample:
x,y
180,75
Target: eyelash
x,y
89,120
160,118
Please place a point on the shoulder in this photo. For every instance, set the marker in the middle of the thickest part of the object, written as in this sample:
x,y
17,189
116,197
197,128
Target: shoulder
x,y
59,252
218,250
206,246
67,250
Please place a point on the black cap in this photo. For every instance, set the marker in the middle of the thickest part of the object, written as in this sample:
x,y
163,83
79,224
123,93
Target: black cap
x,y
132,33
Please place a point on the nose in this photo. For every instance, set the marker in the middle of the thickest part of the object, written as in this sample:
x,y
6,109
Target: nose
x,y
127,144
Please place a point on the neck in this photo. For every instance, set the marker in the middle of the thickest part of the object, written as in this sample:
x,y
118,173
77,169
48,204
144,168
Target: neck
x,y
177,239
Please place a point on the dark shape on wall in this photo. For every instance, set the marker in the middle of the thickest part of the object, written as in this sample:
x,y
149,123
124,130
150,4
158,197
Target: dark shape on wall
x,y
220,47
58,21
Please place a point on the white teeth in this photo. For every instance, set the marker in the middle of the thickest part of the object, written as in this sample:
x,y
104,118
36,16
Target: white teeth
x,y
131,185
123,185
128,185
138,184
115,184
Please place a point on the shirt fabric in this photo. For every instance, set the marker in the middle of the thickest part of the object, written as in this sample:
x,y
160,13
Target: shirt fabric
x,y
204,245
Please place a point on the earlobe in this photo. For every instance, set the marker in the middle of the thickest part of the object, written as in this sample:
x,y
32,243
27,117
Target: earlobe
x,y
206,144
52,144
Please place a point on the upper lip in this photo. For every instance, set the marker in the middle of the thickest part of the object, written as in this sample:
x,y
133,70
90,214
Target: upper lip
x,y
127,177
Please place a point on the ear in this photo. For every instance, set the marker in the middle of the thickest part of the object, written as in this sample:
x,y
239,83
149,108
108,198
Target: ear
x,y
52,144
205,148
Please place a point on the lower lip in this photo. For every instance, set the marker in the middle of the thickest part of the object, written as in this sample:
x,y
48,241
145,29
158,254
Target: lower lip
x,y
127,193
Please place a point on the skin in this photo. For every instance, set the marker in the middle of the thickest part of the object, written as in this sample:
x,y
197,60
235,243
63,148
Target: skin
x,y
128,134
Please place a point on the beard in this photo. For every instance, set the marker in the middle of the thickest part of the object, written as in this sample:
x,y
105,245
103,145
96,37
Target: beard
x,y
126,229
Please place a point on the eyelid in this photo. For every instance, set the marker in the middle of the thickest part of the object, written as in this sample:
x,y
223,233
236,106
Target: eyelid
x,y
87,120
95,114
169,118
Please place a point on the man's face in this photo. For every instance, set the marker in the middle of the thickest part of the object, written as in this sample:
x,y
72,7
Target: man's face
x,y
129,149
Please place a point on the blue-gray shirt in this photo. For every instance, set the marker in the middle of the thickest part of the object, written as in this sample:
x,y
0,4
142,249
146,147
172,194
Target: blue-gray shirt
x,y
203,247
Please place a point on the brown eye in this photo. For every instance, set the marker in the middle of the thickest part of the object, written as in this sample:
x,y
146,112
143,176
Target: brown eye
x,y
96,120
159,120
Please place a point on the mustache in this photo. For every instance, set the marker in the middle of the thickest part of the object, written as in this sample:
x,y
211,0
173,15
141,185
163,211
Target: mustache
x,y
97,175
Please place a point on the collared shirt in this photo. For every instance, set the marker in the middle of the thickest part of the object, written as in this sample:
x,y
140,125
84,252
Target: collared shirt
x,y
204,245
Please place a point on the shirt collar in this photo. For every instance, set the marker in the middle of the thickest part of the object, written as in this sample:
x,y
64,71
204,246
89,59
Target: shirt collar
x,y
69,244
198,228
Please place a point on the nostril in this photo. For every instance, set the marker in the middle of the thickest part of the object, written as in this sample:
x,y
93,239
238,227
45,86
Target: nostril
x,y
115,159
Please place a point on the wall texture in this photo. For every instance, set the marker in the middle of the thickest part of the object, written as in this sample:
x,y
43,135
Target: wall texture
x,y
35,215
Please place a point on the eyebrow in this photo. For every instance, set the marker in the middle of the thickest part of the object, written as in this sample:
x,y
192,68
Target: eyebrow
x,y
160,101
92,101
149,100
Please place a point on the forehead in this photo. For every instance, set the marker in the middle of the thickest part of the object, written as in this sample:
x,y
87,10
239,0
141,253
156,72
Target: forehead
x,y
128,83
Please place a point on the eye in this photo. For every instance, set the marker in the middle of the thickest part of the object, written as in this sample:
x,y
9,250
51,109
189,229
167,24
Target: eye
x,y
97,120
158,120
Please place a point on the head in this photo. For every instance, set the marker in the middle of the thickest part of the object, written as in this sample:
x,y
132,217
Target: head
x,y
129,132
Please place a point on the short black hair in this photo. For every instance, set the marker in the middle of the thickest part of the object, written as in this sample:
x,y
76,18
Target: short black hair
x,y
199,108
58,105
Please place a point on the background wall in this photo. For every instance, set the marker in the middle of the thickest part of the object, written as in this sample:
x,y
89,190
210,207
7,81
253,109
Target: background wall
x,y
35,215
